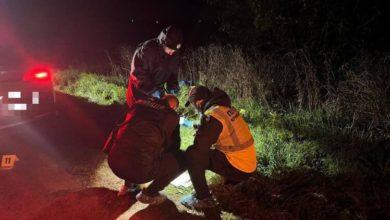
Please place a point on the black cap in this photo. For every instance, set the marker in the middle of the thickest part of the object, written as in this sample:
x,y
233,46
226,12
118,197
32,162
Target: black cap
x,y
171,37
197,93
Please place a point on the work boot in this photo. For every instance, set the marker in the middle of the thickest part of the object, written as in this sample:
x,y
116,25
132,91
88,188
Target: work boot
x,y
151,200
191,202
131,188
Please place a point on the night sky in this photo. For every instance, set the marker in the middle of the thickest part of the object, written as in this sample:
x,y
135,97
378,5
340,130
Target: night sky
x,y
57,29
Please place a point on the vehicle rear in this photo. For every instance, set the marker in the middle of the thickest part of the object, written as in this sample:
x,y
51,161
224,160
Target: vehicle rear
x,y
26,90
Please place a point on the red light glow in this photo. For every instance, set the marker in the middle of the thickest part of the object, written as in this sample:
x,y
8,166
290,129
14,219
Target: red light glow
x,y
37,74
41,75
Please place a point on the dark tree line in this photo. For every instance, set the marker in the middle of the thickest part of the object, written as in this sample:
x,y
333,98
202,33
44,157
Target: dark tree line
x,y
344,27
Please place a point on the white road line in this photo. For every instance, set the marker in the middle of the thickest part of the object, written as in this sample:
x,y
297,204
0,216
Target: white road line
x,y
24,122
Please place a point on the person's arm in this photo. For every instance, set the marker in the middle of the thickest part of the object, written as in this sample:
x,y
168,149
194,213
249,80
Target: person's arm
x,y
141,65
174,142
207,133
172,82
172,131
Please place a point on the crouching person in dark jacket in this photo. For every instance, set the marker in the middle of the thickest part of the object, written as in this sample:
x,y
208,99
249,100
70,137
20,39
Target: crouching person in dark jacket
x,y
147,148
223,144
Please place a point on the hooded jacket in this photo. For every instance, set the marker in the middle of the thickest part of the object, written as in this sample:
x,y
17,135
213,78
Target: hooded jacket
x,y
218,97
210,128
243,159
151,67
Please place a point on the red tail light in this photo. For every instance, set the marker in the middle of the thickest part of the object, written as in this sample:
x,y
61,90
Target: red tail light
x,y
37,75
41,75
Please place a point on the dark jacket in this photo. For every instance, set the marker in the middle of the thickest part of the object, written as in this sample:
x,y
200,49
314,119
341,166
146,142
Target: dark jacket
x,y
151,68
210,128
153,130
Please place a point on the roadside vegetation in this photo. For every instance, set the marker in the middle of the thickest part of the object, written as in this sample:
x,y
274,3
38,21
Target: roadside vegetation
x,y
322,145
312,79
321,131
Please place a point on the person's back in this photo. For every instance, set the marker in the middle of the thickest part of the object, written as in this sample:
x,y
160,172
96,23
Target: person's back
x,y
138,144
148,148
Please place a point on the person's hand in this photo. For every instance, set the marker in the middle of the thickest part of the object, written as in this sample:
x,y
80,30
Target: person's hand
x,y
174,91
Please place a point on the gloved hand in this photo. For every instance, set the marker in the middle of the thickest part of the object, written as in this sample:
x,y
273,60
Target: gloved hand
x,y
158,93
174,91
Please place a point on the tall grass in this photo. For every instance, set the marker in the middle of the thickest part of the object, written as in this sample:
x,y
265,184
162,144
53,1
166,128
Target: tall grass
x,y
120,64
355,93
97,88
321,129
301,115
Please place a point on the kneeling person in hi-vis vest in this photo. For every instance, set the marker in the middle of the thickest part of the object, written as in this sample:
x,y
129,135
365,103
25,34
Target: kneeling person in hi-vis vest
x,y
223,144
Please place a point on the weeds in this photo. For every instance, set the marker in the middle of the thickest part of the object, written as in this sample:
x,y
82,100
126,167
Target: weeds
x,y
307,116
356,93
96,88
322,141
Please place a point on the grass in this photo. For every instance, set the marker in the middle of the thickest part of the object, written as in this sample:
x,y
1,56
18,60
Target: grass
x,y
187,137
310,163
98,89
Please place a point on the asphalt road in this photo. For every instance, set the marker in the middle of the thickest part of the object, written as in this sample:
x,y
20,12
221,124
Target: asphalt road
x,y
57,156
61,173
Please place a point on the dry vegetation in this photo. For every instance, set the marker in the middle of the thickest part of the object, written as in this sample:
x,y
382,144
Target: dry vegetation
x,y
358,90
321,129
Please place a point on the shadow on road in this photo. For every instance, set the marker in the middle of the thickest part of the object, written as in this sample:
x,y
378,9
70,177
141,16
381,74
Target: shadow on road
x,y
168,211
102,203
63,175
57,155
91,203
90,120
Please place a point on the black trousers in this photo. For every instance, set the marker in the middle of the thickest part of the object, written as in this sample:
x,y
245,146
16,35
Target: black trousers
x,y
165,169
171,165
198,161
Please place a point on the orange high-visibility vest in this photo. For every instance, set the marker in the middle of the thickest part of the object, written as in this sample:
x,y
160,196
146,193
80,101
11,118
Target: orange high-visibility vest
x,y
235,140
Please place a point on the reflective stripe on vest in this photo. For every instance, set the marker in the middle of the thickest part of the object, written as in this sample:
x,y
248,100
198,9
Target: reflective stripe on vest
x,y
235,134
